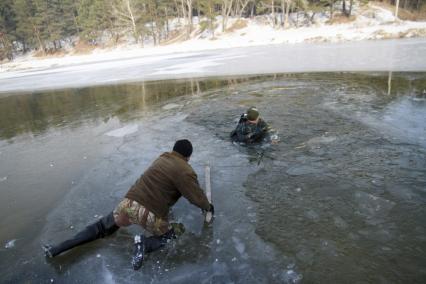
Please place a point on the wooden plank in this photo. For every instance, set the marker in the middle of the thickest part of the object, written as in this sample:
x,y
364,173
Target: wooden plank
x,y
209,215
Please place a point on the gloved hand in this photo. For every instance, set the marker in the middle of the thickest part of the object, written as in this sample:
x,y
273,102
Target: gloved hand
x,y
211,209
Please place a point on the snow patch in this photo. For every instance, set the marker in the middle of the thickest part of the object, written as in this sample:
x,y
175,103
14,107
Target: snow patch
x,y
121,132
186,68
170,106
370,23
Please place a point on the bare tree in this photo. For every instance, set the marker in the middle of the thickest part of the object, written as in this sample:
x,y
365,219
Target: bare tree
x,y
351,2
127,17
240,7
273,13
396,9
209,11
186,6
226,11
285,8
331,8
345,12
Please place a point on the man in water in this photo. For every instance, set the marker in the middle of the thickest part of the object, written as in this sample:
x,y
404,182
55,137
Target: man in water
x,y
147,203
252,129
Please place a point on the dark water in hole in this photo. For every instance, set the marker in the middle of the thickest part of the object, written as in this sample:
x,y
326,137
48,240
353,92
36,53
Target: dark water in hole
x,y
340,199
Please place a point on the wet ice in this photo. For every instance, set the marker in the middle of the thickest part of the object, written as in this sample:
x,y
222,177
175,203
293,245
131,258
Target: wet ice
x,y
334,191
375,208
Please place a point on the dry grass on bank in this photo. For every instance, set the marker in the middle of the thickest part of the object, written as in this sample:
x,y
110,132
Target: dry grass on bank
x,y
405,14
82,47
413,16
406,34
238,25
174,37
341,19
50,53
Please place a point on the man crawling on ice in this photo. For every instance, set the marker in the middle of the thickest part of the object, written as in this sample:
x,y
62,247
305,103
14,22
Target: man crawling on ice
x,y
147,203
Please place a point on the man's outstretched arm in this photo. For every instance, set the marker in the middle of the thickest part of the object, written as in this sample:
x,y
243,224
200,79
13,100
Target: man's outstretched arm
x,y
189,187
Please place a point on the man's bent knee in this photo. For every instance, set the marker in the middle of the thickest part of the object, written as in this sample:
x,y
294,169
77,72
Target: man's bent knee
x,y
122,220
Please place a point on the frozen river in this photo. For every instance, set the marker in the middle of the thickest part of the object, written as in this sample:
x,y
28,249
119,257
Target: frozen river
x,y
99,69
340,199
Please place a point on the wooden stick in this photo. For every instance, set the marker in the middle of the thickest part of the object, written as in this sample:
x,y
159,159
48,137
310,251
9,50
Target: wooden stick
x,y
209,215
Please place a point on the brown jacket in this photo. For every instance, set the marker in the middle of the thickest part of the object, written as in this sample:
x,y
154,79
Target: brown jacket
x,y
164,182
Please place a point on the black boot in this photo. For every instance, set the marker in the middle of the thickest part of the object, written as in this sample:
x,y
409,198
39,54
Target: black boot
x,y
104,227
156,242
139,253
145,245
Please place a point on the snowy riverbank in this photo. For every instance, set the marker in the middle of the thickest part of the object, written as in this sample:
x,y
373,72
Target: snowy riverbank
x,y
369,24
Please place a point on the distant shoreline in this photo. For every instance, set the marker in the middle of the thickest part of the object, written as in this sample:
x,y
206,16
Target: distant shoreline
x,y
249,46
252,35
400,55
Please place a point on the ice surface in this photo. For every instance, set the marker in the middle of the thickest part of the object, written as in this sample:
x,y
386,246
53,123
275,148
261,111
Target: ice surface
x,y
276,221
239,245
407,117
123,131
373,207
303,170
321,140
186,68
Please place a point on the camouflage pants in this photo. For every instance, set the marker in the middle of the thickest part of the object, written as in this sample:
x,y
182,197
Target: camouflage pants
x,y
137,214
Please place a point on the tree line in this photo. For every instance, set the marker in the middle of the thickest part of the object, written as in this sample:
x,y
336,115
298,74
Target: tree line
x,y
46,25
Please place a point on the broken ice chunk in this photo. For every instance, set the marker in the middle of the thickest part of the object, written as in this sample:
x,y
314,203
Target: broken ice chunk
x,y
291,276
10,244
121,132
170,106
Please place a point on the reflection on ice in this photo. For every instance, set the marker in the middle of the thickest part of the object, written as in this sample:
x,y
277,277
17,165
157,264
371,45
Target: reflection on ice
x,y
406,117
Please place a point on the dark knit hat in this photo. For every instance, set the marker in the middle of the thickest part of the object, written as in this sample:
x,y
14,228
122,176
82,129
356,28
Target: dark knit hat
x,y
183,147
252,113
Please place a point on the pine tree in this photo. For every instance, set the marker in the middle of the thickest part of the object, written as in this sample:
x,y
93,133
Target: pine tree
x,y
208,8
68,20
7,28
94,17
28,29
